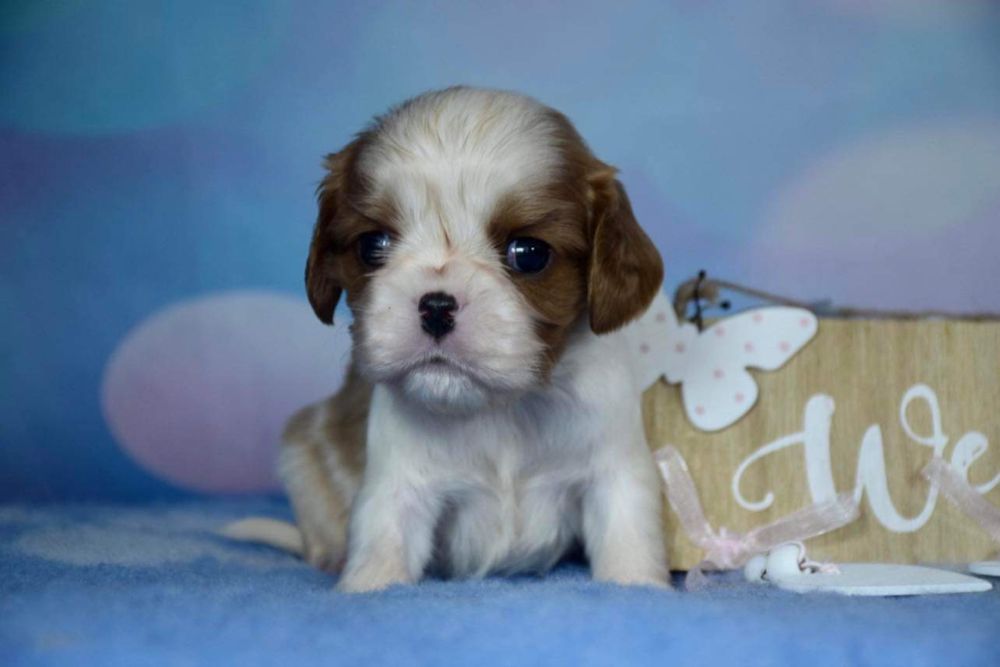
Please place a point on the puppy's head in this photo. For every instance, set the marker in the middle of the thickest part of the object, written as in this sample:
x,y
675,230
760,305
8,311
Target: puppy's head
x,y
471,231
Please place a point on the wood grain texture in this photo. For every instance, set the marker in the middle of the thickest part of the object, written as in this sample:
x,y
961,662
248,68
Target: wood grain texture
x,y
866,366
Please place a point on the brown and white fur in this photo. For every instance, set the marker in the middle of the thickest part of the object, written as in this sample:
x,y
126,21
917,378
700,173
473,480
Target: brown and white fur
x,y
498,447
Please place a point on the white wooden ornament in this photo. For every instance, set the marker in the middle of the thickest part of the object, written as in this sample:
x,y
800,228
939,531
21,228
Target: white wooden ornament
x,y
986,568
711,365
885,580
786,567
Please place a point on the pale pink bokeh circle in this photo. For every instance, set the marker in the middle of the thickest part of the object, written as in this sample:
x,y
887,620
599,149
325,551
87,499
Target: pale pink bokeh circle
x,y
903,219
198,393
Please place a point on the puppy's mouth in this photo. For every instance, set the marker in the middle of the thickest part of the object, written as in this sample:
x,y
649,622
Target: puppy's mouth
x,y
445,385
440,378
438,359
442,364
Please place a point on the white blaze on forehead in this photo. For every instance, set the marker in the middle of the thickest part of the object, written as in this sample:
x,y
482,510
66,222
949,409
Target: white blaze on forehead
x,y
446,158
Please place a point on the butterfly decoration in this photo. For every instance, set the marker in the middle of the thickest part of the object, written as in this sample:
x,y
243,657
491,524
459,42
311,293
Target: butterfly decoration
x,y
711,363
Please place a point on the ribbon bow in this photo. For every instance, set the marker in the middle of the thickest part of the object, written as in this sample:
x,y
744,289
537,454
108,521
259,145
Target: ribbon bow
x,y
964,496
726,549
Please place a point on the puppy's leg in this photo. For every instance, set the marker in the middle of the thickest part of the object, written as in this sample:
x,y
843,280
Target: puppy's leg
x,y
622,528
321,465
398,506
392,534
320,508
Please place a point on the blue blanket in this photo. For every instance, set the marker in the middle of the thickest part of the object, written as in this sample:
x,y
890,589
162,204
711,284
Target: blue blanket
x,y
100,585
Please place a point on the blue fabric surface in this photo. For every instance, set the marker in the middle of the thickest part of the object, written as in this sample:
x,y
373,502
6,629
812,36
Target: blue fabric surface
x,y
101,585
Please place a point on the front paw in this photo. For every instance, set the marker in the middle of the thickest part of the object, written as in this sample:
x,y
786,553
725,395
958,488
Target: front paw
x,y
324,546
372,577
634,577
328,561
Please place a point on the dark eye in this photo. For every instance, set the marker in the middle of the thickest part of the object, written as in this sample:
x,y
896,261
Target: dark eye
x,y
528,255
373,248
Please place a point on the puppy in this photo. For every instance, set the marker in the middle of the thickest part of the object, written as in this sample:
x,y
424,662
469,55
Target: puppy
x,y
489,421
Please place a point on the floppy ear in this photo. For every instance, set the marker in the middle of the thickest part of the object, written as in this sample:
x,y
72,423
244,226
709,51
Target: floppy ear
x,y
322,284
625,268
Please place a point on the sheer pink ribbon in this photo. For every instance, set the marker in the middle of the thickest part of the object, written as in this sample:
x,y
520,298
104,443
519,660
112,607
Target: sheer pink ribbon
x,y
964,496
727,549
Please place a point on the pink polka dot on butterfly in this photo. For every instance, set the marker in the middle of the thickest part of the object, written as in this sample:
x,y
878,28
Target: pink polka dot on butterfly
x,y
718,374
748,347
757,318
644,348
739,397
699,410
661,317
804,322
679,348
720,331
784,346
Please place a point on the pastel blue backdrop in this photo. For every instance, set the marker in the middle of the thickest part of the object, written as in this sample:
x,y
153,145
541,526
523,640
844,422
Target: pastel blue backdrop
x,y
158,161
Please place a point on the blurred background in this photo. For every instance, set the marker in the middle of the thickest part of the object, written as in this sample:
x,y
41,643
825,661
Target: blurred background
x,y
158,162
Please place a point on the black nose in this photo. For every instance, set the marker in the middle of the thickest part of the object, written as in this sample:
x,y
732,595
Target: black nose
x,y
437,314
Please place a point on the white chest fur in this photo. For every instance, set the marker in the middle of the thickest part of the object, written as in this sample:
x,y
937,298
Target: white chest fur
x,y
504,490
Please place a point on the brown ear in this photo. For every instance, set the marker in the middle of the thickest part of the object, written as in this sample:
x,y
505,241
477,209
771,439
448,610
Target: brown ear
x,y
322,285
625,268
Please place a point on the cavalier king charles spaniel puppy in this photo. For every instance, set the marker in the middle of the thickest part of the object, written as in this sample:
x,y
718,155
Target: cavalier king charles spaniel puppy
x,y
489,422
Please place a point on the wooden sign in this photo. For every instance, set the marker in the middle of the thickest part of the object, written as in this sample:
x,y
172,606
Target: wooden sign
x,y
863,406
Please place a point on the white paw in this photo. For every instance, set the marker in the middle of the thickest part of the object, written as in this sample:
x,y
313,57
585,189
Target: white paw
x,y
372,577
634,577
